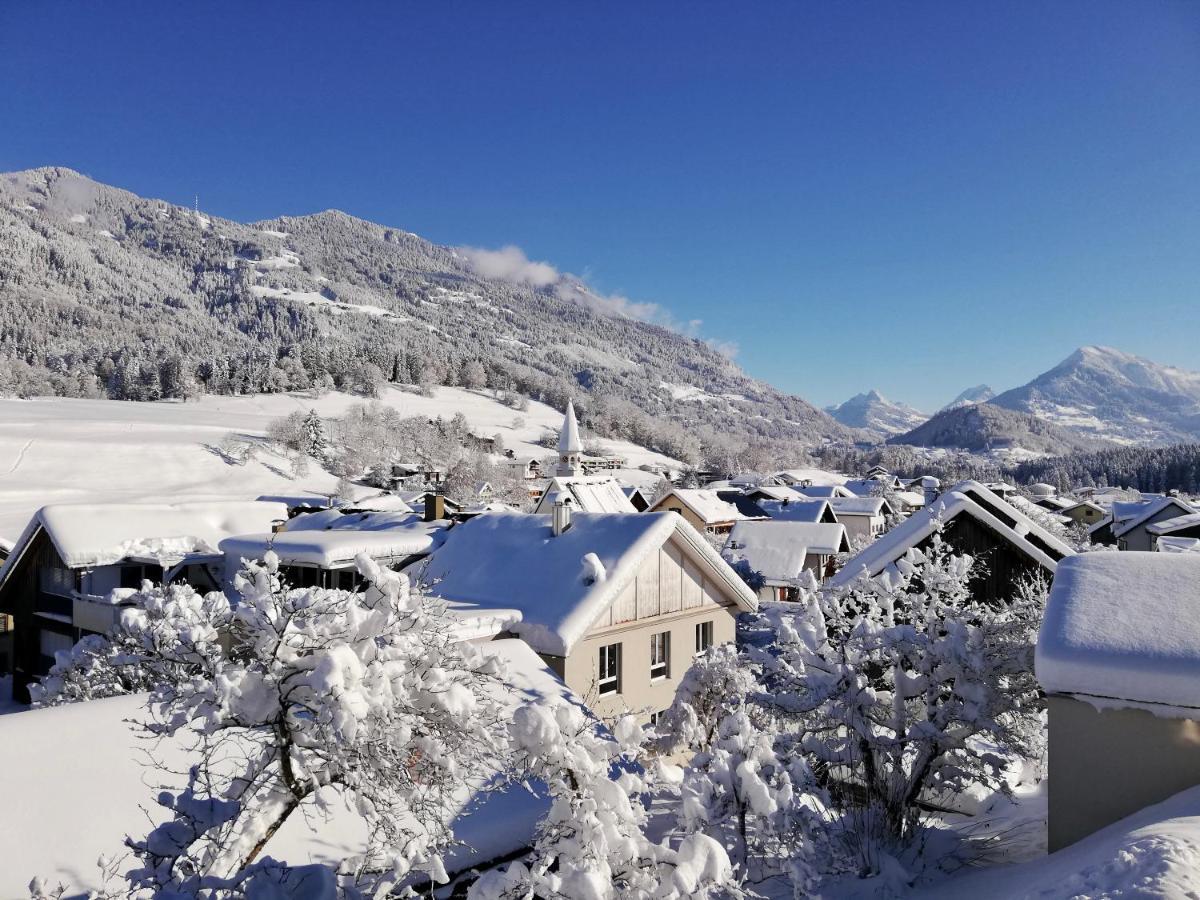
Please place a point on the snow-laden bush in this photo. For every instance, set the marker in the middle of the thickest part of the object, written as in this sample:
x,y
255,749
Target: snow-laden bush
x,y
904,689
297,697
592,844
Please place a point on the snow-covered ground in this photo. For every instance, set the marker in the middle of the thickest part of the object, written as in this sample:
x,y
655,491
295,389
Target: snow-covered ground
x,y
57,450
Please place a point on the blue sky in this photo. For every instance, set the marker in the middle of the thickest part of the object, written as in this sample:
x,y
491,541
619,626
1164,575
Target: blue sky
x,y
915,197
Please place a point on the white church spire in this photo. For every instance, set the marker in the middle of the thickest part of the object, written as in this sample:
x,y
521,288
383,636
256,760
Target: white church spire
x,y
570,448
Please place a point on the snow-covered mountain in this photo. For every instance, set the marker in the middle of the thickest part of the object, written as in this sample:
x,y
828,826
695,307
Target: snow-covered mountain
x,y
1005,433
981,393
103,292
1109,394
877,414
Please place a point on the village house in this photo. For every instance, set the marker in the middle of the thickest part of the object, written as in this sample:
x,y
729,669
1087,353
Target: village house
x,y
777,553
58,584
617,604
1119,659
1131,522
319,549
1008,544
801,510
588,493
1085,512
702,508
865,518
1181,527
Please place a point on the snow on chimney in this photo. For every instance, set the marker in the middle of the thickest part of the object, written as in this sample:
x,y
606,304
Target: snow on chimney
x,y
560,518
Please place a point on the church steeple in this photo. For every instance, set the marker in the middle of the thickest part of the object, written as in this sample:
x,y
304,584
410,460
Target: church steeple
x,y
570,448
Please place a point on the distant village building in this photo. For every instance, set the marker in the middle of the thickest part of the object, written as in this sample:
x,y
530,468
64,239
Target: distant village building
x,y
58,582
1007,543
1119,659
1085,512
1178,530
865,518
617,605
1131,522
702,508
588,493
779,552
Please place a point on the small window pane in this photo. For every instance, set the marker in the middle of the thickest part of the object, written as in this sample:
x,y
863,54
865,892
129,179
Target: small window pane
x,y
610,669
660,655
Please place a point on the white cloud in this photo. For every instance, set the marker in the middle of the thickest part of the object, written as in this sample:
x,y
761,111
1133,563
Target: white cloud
x,y
511,264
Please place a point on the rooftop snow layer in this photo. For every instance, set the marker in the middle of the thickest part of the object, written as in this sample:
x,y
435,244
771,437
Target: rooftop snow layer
x,y
705,503
101,534
1191,520
510,560
330,539
775,550
795,510
1124,626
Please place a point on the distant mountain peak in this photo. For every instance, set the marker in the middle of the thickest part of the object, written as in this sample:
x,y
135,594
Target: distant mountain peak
x,y
980,393
874,412
1108,393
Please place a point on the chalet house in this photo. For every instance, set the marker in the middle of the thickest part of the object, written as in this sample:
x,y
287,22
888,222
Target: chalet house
x,y
588,493
1118,656
1181,528
617,605
1085,513
974,521
58,583
415,475
319,549
527,467
779,552
702,508
1131,522
910,501
864,517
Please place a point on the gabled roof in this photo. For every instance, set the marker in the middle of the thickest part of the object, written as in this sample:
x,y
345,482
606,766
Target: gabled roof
x,y
705,503
1169,544
99,534
589,493
1088,503
1028,537
775,550
1191,520
1132,519
1003,510
825,491
813,476
513,561
860,506
805,510
1124,626
330,539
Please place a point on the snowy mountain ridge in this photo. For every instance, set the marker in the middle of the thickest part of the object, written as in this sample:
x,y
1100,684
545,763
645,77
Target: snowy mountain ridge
x,y
1112,395
978,394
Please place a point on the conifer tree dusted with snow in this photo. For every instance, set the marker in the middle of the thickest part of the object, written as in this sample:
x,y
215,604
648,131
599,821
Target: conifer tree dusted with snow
x,y
312,437
290,699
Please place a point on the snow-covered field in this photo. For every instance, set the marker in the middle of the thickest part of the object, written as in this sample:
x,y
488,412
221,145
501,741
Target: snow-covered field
x,y
56,450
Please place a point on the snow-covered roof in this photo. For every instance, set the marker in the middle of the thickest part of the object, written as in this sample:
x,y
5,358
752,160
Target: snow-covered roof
x,y
825,491
813,476
858,506
331,539
1132,518
86,534
1168,544
1041,489
867,487
915,499
805,510
301,500
705,503
775,550
510,560
1060,503
568,437
380,501
1022,533
1005,511
1124,626
590,493
774,492
83,784
1191,520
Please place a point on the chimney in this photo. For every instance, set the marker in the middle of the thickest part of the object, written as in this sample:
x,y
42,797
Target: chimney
x,y
435,506
560,518
930,487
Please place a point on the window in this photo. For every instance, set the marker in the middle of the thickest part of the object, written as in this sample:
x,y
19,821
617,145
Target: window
x,y
704,636
660,655
610,669
58,580
656,718
133,575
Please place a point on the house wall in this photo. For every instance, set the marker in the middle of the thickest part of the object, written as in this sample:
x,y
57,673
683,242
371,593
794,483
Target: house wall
x,y
1085,515
1105,765
1001,564
669,594
859,526
1139,538
673,504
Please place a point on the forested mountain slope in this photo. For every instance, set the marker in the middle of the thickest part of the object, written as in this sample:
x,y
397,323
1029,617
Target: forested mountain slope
x,y
984,427
104,293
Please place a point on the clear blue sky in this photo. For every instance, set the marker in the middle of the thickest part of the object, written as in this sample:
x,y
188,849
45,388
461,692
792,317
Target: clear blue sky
x,y
909,196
